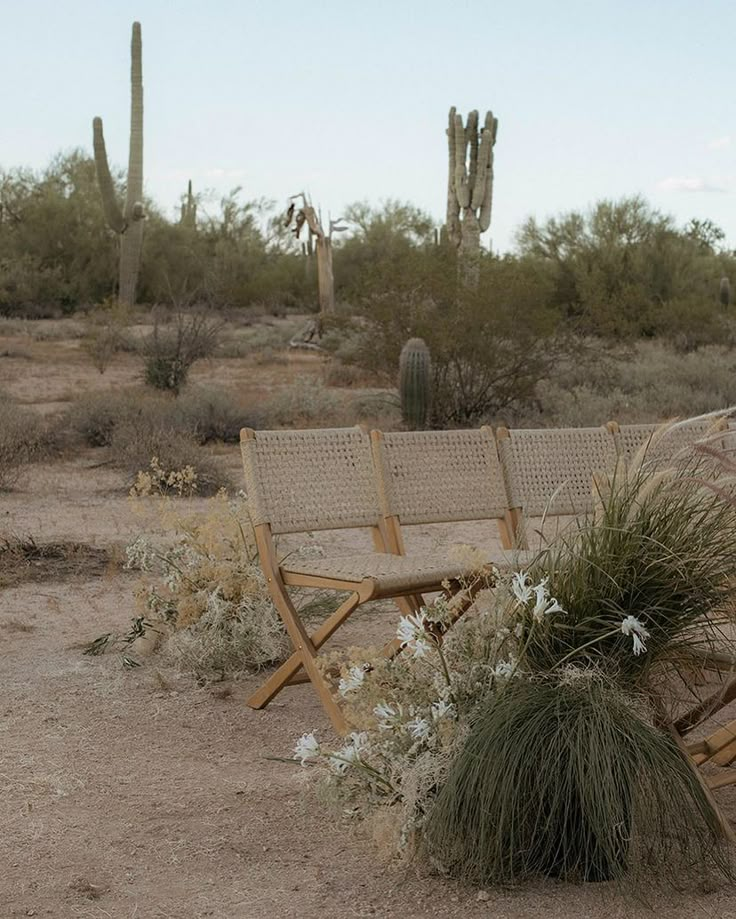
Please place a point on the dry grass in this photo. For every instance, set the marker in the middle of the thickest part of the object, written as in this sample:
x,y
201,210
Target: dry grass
x,y
23,560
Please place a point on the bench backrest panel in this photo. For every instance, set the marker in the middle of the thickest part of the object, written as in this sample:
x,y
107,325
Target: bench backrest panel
x,y
297,481
551,471
439,476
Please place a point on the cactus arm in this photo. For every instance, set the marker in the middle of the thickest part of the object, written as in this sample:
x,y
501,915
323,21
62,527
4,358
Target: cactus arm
x,y
113,214
453,208
471,133
135,157
462,189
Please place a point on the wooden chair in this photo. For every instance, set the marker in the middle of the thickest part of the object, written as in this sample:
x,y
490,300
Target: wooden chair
x,y
300,481
442,477
551,472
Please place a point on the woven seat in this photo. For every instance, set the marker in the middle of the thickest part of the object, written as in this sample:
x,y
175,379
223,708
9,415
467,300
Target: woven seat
x,y
299,481
390,573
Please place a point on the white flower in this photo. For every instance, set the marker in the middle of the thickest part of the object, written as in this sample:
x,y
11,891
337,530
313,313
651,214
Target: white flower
x,y
632,626
386,715
354,680
411,627
418,728
307,748
341,760
442,709
412,633
521,587
504,669
519,630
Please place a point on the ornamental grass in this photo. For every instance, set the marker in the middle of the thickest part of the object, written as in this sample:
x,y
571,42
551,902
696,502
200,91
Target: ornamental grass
x,y
568,777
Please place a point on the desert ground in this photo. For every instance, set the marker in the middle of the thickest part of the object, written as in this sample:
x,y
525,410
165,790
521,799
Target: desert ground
x,y
139,794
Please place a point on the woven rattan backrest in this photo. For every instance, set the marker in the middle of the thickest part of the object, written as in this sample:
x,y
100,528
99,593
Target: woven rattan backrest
x,y
552,471
439,476
673,442
298,481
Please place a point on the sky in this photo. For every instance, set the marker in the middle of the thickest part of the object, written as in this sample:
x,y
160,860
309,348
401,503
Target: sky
x,y
349,100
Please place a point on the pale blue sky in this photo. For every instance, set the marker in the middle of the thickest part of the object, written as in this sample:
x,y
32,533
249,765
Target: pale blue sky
x,y
349,99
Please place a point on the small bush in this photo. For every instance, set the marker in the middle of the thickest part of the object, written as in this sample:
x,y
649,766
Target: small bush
x,y
212,414
307,402
137,441
568,779
24,438
204,413
205,592
170,351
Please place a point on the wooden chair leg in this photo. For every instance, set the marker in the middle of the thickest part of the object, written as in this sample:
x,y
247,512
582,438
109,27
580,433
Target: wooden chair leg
x,y
706,708
282,676
723,822
306,652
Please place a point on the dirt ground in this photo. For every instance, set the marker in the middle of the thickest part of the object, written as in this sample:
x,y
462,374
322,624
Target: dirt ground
x,y
140,795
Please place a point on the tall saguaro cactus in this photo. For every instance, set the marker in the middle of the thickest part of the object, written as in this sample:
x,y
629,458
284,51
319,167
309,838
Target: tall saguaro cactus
x,y
189,209
128,221
469,186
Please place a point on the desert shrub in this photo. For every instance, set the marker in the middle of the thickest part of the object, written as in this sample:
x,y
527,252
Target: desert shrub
x,y
203,413
136,442
170,351
25,438
106,334
93,417
306,402
204,593
649,382
490,346
569,778
212,414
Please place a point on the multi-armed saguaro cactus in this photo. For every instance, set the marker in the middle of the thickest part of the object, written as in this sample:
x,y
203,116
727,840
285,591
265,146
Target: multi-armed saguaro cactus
x,y
323,245
189,209
415,383
469,186
128,222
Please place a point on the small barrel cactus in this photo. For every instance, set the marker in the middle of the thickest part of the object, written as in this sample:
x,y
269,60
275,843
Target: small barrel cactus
x,y
415,383
725,292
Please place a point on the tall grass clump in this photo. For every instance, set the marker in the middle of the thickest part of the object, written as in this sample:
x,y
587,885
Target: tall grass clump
x,y
569,778
661,548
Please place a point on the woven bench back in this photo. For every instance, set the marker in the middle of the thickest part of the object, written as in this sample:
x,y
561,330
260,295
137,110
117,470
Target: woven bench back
x,y
551,471
298,481
439,476
661,445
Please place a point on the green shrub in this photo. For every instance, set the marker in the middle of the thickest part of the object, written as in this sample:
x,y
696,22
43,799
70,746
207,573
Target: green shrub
x,y
569,778
170,351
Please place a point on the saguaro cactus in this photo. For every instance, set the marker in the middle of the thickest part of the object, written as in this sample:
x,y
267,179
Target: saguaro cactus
x,y
469,186
128,221
415,383
322,244
189,209
724,293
